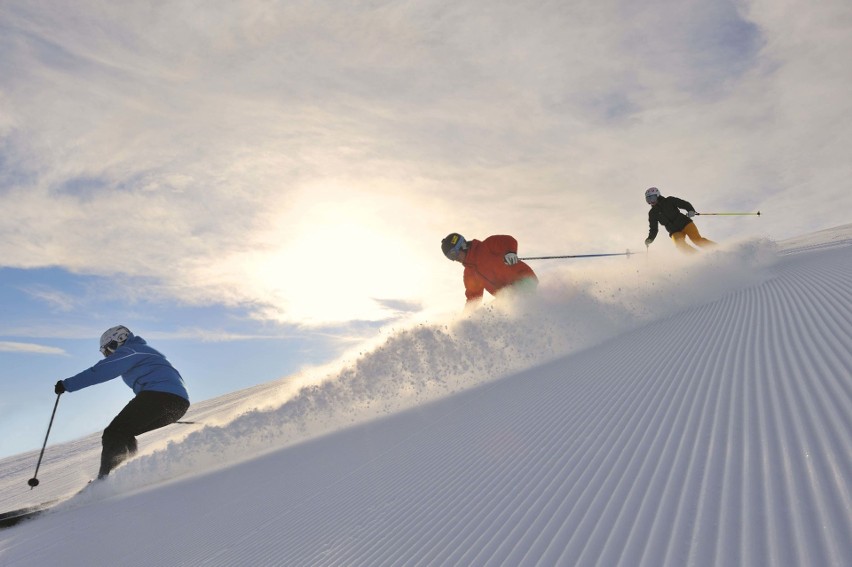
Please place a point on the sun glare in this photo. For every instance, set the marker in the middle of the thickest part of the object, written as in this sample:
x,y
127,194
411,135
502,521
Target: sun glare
x,y
336,264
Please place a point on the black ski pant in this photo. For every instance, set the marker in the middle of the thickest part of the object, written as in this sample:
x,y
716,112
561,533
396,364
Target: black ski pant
x,y
146,412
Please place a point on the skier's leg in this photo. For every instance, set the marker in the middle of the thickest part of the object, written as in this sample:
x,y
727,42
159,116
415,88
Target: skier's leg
x,y
165,409
679,238
691,231
146,412
117,446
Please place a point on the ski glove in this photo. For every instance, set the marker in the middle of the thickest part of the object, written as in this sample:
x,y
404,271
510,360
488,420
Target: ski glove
x,y
59,388
690,214
510,258
648,241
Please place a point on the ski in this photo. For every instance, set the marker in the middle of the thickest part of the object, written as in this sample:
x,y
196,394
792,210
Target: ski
x,y
8,519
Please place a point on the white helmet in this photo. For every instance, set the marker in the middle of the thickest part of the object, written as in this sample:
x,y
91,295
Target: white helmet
x,y
113,338
651,195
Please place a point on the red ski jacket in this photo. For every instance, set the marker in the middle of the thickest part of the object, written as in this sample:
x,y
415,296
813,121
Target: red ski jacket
x,y
485,269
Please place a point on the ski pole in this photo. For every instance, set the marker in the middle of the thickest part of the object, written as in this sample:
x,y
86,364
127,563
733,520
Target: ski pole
x,y
33,482
726,214
628,253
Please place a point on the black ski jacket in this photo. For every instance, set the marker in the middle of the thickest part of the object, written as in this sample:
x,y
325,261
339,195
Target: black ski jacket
x,y
666,213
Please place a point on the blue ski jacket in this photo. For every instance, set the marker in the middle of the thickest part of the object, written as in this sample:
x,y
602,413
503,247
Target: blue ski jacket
x,y
142,368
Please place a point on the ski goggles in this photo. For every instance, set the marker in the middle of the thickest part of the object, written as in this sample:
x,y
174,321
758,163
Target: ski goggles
x,y
109,348
651,199
453,253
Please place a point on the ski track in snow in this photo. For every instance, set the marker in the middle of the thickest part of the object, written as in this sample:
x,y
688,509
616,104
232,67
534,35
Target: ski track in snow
x,y
709,435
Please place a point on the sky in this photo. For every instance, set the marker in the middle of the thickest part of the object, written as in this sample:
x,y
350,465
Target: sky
x,y
731,448
260,187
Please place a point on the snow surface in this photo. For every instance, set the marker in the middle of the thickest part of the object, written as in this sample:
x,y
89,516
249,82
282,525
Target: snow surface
x,y
654,411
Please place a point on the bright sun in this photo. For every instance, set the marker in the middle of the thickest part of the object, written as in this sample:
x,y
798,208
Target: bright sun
x,y
322,263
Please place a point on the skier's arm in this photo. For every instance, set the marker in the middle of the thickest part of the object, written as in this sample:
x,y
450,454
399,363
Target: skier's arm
x,y
111,367
474,287
681,204
501,244
653,227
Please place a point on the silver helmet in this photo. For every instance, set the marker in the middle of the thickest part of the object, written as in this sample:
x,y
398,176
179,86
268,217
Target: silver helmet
x,y
113,338
651,195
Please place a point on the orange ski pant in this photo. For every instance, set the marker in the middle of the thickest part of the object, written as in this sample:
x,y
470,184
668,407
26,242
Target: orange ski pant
x,y
691,231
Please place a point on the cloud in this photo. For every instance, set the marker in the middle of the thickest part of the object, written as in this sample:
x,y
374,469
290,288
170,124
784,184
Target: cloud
x,y
57,299
301,158
30,348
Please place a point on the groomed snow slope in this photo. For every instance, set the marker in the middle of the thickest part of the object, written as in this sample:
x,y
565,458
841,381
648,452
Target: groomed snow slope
x,y
708,421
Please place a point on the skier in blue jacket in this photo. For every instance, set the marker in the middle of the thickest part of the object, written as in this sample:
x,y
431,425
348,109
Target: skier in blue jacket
x,y
161,396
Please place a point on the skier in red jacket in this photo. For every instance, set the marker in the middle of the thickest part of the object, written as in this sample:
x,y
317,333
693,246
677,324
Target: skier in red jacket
x,y
491,264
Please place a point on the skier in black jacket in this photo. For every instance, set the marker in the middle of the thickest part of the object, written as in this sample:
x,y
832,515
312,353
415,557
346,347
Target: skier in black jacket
x,y
666,211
